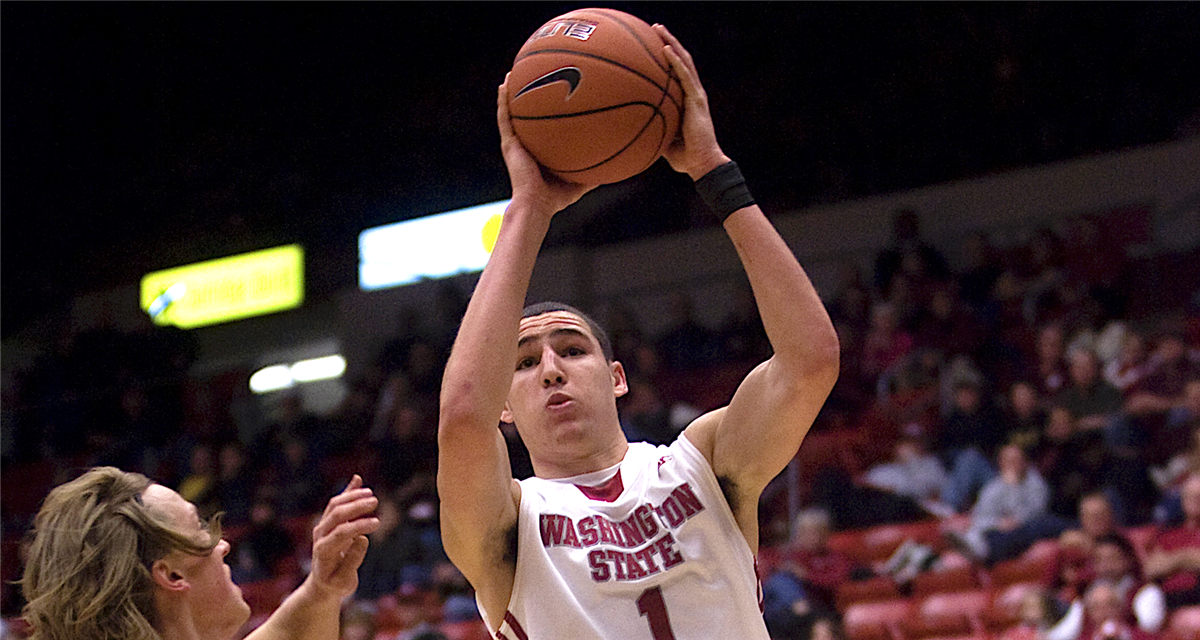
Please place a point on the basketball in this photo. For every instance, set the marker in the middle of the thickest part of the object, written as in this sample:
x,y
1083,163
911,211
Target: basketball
x,y
592,96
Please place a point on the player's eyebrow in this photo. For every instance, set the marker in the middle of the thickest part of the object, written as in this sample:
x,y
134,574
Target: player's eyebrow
x,y
557,332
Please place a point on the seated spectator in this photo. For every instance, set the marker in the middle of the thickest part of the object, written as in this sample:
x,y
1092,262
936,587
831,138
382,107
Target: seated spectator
x,y
1038,612
1104,615
1072,568
1049,368
1174,558
235,483
1170,478
1180,438
260,552
1152,400
912,471
1162,388
1023,416
948,326
357,623
885,343
1003,523
1074,462
1092,401
1131,364
1140,604
970,436
806,573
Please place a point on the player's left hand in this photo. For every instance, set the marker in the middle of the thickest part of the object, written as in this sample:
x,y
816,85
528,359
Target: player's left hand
x,y
695,151
340,540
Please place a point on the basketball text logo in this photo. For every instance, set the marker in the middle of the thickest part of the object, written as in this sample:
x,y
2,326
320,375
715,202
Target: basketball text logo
x,y
578,29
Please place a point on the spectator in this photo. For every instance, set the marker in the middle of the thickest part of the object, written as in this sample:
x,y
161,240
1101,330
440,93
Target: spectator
x,y
1003,523
357,622
1072,568
685,344
969,438
198,486
235,483
644,415
1038,612
1139,602
912,472
949,326
885,343
1074,462
804,577
1092,401
1049,369
264,547
1103,615
1174,557
907,244
1131,364
1023,417
1170,478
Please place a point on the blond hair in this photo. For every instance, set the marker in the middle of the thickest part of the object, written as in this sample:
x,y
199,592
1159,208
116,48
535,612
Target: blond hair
x,y
88,575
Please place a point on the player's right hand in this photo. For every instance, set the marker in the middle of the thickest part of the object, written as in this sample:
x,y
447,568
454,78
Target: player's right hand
x,y
540,189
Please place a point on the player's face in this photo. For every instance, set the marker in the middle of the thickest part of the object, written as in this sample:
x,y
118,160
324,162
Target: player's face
x,y
562,381
216,602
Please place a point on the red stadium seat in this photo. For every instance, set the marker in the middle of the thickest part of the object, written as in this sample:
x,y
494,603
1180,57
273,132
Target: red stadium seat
x,y
1017,570
947,614
960,578
871,590
876,620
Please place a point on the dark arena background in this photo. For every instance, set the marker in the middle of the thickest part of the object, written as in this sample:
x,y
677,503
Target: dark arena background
x,y
998,202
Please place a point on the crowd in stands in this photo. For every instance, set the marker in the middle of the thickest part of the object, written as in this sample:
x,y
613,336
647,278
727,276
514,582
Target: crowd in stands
x,y
1029,397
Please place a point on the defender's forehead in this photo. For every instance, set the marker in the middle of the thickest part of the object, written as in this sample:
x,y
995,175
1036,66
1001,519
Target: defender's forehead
x,y
547,323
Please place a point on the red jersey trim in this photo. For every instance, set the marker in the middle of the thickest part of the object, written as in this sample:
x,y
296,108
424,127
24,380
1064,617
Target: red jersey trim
x,y
515,626
607,492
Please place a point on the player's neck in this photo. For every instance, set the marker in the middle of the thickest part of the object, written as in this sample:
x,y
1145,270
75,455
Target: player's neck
x,y
596,461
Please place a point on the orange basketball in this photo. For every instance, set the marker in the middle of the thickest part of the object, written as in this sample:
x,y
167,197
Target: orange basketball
x,y
592,96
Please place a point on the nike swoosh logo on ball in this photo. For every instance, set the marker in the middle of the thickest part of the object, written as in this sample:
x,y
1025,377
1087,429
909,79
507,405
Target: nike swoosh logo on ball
x,y
569,75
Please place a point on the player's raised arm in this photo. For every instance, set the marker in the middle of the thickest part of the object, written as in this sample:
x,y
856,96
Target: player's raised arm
x,y
752,440
475,484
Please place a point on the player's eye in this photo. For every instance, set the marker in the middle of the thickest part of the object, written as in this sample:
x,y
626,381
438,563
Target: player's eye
x,y
525,363
574,351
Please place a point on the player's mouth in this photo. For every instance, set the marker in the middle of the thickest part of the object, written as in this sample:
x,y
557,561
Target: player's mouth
x,y
558,401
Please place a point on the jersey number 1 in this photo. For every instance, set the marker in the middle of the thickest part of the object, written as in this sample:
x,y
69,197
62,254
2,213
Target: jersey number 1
x,y
651,605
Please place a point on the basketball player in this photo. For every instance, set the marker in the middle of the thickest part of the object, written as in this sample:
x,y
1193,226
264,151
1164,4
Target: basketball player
x,y
613,539
117,556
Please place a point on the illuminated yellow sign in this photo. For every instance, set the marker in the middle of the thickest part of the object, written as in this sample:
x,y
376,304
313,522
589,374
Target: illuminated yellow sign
x,y
225,289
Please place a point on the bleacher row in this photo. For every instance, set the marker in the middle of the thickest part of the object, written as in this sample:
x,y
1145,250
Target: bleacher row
x,y
958,601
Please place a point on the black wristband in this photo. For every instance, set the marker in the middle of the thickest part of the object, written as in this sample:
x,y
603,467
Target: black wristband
x,y
724,190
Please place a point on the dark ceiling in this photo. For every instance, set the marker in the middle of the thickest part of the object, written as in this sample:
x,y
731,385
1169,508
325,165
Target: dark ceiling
x,y
146,135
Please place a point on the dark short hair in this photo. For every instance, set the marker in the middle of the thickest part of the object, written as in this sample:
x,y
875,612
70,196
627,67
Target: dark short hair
x,y
538,308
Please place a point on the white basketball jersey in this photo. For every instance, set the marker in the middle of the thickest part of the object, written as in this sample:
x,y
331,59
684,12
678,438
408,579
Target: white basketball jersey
x,y
659,558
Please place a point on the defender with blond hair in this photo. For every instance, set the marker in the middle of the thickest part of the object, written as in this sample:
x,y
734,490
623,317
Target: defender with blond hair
x,y
115,555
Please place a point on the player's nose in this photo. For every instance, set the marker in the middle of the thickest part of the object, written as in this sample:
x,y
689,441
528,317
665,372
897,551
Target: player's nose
x,y
552,372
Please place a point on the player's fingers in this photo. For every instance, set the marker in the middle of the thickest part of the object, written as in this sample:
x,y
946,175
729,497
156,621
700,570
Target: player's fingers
x,y
331,548
502,120
346,497
356,553
687,79
353,490
345,513
674,43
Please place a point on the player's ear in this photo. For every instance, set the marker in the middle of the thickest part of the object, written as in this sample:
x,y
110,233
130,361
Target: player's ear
x,y
506,415
620,384
168,576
